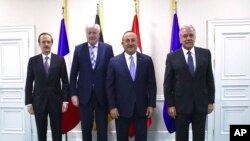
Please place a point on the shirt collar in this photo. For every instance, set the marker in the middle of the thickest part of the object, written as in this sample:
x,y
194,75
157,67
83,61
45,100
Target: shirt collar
x,y
127,56
96,45
49,55
185,51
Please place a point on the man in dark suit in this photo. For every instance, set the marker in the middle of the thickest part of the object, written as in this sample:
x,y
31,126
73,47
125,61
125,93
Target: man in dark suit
x,y
189,86
87,83
131,89
46,91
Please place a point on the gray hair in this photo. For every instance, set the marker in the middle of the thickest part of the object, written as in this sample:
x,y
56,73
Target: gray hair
x,y
95,26
187,26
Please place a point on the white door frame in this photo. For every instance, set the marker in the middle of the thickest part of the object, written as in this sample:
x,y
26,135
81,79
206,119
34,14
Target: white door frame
x,y
211,28
27,34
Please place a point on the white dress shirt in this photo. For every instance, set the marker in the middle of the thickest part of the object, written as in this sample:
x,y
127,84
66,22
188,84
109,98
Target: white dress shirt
x,y
49,55
128,60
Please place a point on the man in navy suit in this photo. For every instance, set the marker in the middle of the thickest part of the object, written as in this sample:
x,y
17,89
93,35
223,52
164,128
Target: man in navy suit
x,y
87,83
131,89
47,88
189,86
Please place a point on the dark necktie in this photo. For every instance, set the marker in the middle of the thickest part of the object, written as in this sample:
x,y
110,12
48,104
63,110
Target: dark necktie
x,y
132,67
46,66
190,63
92,57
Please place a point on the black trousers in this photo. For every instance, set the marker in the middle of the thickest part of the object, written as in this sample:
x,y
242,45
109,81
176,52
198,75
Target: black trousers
x,y
198,121
55,125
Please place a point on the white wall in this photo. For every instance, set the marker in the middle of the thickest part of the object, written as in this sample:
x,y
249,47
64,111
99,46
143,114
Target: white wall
x,y
154,17
44,14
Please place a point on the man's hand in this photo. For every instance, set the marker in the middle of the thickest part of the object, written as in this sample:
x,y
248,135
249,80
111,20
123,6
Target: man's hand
x,y
172,111
210,108
30,109
114,113
150,111
75,101
64,107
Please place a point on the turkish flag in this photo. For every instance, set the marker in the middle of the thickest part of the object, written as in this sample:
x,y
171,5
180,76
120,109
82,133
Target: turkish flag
x,y
136,30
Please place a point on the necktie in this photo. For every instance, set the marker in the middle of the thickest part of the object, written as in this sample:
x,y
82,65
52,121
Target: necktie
x,y
190,63
46,66
92,57
132,68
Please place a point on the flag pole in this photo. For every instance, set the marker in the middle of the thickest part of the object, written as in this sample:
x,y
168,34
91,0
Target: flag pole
x,y
135,25
173,10
97,8
66,134
100,14
137,8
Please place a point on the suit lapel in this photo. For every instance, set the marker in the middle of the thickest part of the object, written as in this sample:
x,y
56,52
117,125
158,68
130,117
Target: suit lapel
x,y
99,54
198,59
40,65
52,64
139,65
85,50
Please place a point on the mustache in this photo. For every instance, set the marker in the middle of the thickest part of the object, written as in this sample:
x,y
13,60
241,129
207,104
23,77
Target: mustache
x,y
131,46
46,46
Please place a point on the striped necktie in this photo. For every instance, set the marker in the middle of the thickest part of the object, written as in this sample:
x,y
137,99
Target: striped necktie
x,y
92,57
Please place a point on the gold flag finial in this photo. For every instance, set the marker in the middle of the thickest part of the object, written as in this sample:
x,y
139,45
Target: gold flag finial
x,y
97,9
136,6
63,10
173,6
65,13
173,9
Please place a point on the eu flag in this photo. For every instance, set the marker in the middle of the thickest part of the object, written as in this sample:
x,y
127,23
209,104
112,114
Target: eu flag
x,y
175,45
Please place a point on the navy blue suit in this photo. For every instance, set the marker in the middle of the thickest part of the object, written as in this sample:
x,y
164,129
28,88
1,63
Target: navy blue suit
x,y
89,85
131,98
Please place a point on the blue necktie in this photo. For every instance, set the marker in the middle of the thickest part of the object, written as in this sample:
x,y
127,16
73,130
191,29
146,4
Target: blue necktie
x,y
132,67
46,66
92,57
190,63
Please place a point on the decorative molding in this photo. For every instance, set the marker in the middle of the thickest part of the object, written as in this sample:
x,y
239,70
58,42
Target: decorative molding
x,y
11,95
235,92
232,112
12,120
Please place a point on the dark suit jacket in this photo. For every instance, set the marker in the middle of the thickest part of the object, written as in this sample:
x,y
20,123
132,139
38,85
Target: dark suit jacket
x,y
83,78
124,93
184,91
46,91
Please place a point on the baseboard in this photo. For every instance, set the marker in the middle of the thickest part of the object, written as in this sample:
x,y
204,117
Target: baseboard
x,y
152,136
